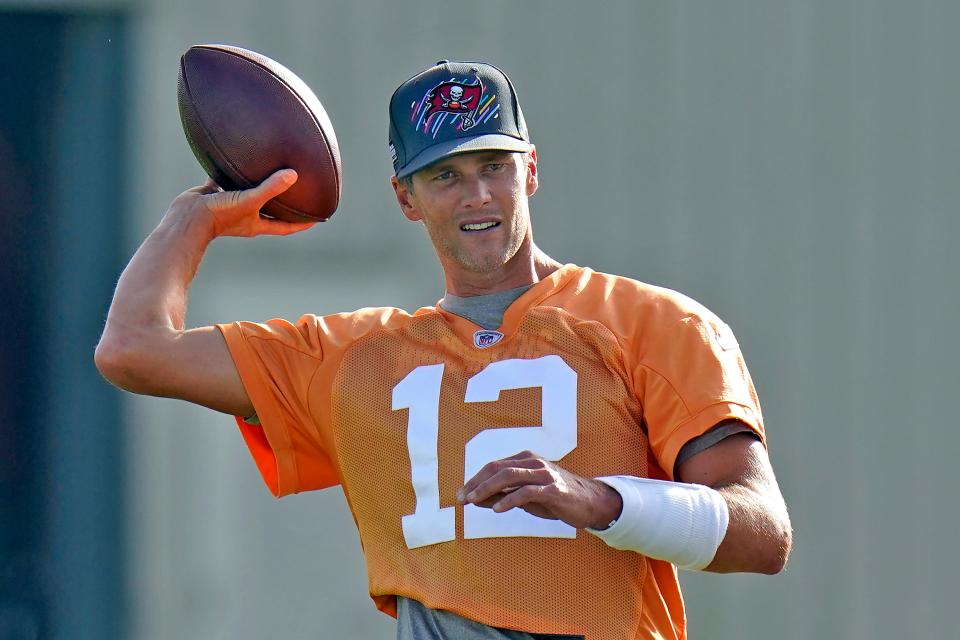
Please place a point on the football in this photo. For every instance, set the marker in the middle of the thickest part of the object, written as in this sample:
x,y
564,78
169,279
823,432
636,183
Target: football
x,y
246,116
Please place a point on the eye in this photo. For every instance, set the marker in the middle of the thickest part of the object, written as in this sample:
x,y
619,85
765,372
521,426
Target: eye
x,y
443,177
496,166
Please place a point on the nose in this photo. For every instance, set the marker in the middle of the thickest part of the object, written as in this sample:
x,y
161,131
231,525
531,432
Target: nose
x,y
476,192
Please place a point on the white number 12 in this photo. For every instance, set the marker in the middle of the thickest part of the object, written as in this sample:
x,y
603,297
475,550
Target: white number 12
x,y
419,392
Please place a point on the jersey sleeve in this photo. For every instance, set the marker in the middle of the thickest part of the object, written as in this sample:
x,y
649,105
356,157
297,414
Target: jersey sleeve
x,y
277,362
691,377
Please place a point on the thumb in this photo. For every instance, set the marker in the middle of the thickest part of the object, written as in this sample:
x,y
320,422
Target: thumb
x,y
255,197
274,185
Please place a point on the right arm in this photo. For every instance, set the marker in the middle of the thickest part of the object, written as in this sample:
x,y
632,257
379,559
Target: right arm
x,y
145,347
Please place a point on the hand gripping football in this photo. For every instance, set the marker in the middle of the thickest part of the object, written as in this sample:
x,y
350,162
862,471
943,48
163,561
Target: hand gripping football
x,y
246,116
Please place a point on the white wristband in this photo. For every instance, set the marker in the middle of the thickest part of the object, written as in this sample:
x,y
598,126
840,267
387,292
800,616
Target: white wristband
x,y
680,523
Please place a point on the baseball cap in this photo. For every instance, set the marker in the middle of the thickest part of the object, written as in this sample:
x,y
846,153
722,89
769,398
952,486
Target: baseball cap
x,y
450,108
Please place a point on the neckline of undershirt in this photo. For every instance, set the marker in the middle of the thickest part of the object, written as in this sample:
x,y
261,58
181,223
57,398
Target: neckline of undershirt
x,y
484,310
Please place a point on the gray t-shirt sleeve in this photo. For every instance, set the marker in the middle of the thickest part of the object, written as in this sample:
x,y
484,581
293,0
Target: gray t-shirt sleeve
x,y
715,435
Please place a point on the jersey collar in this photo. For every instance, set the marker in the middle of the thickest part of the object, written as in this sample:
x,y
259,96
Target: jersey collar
x,y
515,312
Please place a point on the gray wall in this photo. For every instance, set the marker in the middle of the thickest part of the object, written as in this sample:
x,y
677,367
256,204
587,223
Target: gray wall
x,y
793,166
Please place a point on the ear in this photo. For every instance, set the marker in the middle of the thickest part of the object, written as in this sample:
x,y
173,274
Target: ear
x,y
533,182
405,200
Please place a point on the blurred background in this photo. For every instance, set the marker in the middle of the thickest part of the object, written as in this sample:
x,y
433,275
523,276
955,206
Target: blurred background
x,y
792,165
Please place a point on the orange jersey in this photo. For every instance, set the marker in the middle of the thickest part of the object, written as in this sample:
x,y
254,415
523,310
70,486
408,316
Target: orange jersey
x,y
603,374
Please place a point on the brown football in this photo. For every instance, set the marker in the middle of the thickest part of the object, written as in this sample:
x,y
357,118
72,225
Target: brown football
x,y
246,116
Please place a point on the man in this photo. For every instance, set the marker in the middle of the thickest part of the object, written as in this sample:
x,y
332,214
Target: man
x,y
532,457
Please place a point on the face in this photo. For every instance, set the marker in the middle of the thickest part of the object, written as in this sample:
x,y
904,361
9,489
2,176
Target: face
x,y
474,206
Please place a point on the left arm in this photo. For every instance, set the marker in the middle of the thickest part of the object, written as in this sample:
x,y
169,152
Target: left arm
x,y
758,535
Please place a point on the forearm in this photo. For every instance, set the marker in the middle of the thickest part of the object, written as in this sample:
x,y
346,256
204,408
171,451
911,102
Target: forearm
x,y
677,522
759,535
145,347
153,289
726,515
150,302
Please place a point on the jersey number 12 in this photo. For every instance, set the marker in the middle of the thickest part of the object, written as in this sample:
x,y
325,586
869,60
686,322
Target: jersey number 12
x,y
419,392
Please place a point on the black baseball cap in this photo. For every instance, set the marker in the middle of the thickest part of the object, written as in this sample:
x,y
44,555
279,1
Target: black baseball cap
x,y
450,108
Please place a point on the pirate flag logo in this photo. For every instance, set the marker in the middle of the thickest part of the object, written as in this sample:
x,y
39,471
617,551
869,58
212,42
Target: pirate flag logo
x,y
456,97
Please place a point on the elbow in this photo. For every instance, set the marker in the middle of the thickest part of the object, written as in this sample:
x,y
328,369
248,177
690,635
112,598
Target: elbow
x,y
119,361
779,552
112,361
774,565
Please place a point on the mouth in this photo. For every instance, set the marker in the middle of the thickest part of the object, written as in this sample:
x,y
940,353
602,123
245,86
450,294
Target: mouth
x,y
474,227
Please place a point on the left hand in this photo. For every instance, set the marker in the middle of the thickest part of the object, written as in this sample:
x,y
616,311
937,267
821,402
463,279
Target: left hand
x,y
543,489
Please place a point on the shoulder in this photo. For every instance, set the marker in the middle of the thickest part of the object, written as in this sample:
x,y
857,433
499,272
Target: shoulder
x,y
629,307
313,333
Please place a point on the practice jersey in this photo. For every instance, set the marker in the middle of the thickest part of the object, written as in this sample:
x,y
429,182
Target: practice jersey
x,y
602,374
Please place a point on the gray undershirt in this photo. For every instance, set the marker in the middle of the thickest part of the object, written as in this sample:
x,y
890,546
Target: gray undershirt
x,y
485,311
417,622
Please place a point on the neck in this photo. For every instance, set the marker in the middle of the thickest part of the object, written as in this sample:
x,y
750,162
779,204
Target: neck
x,y
519,271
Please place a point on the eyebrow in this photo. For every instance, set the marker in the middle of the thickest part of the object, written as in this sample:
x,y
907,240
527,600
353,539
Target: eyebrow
x,y
483,156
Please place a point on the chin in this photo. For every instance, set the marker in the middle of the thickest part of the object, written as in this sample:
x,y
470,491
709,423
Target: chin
x,y
487,262
480,262
487,265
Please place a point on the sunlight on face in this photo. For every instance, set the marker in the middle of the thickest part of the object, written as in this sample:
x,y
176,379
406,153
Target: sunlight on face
x,y
485,187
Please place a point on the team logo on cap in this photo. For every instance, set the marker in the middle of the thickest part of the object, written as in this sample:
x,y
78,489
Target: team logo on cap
x,y
484,339
459,103
457,98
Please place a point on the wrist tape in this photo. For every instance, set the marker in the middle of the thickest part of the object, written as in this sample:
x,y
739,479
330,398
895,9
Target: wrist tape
x,y
679,523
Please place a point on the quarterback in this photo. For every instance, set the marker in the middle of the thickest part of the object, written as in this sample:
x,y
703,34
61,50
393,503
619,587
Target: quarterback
x,y
536,455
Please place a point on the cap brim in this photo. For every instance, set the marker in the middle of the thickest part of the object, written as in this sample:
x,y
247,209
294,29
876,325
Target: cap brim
x,y
489,142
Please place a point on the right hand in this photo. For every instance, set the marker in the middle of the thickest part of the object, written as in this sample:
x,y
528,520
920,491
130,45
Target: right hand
x,y
237,213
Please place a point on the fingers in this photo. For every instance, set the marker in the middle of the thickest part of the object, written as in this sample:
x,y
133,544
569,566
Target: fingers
x,y
206,188
237,213
210,186
531,493
524,458
254,198
269,227
539,497
539,487
504,476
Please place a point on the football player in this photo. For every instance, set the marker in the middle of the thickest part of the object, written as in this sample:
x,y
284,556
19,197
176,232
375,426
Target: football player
x,y
533,456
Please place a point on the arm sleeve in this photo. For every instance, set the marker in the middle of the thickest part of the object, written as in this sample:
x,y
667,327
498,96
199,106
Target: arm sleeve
x,y
277,362
691,377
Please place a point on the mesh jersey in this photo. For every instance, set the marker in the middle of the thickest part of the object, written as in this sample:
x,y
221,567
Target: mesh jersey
x,y
602,373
